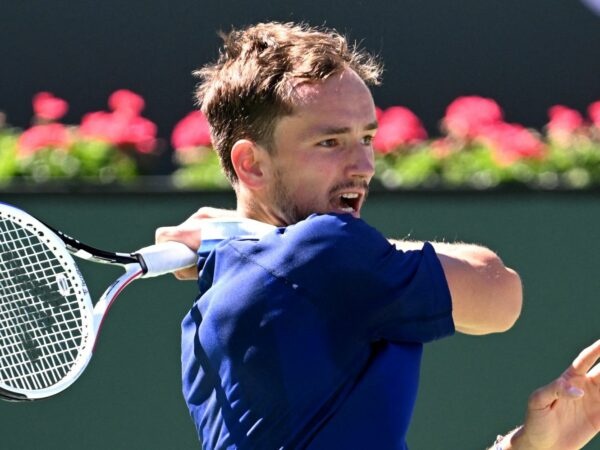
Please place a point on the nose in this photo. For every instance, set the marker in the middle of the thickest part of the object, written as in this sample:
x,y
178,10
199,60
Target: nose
x,y
362,163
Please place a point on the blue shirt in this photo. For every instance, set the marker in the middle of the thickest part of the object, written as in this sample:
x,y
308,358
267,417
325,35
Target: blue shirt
x,y
311,337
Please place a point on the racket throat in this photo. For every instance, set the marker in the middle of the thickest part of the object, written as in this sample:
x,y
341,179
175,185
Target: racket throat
x,y
110,295
88,252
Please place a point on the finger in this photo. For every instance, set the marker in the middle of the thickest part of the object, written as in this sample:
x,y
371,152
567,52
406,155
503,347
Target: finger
x,y
207,212
190,273
546,396
587,358
187,233
188,228
162,234
594,374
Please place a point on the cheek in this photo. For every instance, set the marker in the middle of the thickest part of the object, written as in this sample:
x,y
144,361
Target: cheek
x,y
310,175
308,188
324,165
319,176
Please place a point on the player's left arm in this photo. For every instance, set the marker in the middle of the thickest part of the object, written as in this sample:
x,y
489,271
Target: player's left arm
x,y
486,295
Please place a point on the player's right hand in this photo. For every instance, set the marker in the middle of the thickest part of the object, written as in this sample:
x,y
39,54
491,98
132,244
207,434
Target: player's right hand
x,y
189,232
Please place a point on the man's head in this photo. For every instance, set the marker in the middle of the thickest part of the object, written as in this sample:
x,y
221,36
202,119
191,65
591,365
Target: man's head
x,y
271,72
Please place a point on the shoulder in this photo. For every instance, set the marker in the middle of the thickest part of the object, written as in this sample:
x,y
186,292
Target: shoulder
x,y
334,231
327,244
327,241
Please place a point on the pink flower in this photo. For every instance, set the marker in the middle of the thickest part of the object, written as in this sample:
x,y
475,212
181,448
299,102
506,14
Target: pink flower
x,y
191,131
398,126
124,126
141,133
43,136
48,107
126,102
467,116
120,129
512,142
594,113
563,120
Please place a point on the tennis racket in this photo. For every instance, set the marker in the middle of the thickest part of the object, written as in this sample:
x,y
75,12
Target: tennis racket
x,y
48,323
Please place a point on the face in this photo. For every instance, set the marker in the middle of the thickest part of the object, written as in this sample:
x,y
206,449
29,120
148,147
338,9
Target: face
x,y
322,157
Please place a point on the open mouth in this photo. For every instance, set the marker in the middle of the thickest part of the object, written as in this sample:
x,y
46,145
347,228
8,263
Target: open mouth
x,y
350,201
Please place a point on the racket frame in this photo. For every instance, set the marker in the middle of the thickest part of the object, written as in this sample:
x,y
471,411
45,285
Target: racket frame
x,y
60,251
146,262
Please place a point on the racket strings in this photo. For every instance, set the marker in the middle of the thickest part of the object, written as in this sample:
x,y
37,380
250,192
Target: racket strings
x,y
40,319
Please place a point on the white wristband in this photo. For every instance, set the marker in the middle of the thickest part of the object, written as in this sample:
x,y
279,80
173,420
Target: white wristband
x,y
501,441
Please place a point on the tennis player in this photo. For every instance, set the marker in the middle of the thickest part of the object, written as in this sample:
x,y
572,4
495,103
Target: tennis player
x,y
311,336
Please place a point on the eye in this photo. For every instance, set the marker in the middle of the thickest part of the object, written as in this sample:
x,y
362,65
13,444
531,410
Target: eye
x,y
328,143
367,140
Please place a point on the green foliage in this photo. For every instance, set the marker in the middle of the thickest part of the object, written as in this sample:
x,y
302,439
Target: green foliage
x,y
8,152
83,161
571,165
200,169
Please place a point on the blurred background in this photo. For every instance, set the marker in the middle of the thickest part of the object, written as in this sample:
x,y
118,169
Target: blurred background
x,y
526,55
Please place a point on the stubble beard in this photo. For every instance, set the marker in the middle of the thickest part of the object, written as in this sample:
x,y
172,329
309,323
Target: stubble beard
x,y
284,204
292,213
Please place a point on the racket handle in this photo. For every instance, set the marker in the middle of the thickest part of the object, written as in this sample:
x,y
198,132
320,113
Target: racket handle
x,y
166,257
171,256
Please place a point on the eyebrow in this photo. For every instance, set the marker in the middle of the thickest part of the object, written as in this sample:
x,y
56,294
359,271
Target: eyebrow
x,y
343,130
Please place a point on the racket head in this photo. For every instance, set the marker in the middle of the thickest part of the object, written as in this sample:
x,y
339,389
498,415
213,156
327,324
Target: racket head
x,y
46,314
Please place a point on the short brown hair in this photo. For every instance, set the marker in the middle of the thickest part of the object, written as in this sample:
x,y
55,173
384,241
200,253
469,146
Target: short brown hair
x,y
250,85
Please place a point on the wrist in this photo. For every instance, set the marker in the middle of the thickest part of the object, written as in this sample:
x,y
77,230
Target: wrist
x,y
510,441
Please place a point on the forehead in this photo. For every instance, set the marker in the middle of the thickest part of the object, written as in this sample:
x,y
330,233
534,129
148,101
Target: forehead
x,y
342,97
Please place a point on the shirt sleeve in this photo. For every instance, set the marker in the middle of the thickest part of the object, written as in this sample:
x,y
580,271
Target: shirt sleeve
x,y
363,282
418,306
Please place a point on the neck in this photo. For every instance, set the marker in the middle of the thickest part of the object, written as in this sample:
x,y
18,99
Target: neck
x,y
251,205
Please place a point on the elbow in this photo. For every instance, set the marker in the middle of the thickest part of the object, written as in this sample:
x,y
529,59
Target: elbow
x,y
487,296
508,302
506,289
498,300
511,300
516,303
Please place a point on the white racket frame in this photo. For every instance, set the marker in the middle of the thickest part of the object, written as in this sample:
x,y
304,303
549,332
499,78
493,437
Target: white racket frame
x,y
155,260
81,294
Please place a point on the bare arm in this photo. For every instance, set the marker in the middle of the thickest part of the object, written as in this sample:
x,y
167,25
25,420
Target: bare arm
x,y
486,295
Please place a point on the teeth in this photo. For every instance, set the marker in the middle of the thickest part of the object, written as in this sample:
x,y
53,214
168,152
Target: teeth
x,y
347,200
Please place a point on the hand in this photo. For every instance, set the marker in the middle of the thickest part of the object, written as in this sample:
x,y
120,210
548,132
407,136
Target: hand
x,y
189,233
565,415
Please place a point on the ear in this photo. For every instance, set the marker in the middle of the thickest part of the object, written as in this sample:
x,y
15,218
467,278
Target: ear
x,y
248,161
